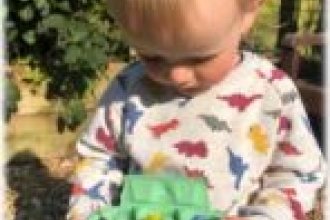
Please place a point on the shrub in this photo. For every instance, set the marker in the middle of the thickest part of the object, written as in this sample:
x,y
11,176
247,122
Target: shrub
x,y
67,42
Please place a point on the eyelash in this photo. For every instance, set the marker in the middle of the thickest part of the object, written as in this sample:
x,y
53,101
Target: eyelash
x,y
152,59
159,60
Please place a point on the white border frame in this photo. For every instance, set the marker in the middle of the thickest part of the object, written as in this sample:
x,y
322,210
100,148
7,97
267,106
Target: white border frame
x,y
326,205
3,11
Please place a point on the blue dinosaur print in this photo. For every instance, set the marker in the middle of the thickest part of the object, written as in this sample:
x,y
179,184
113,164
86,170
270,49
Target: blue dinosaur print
x,y
237,167
112,164
131,115
94,192
199,217
307,177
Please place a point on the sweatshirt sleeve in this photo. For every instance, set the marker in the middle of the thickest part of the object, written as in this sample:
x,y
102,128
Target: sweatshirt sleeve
x,y
297,169
98,176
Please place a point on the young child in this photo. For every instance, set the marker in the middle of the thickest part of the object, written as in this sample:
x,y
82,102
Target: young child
x,y
199,106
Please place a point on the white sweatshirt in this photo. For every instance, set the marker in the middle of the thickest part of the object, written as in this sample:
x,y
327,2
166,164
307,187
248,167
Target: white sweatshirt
x,y
248,136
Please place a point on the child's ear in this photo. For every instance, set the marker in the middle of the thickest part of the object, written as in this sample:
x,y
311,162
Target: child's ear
x,y
250,10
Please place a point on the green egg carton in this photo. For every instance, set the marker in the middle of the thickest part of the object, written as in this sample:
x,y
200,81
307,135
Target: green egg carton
x,y
160,197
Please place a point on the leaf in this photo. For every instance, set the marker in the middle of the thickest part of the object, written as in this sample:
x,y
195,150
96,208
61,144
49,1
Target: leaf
x,y
78,31
29,37
55,21
72,54
40,4
26,14
64,5
45,11
12,34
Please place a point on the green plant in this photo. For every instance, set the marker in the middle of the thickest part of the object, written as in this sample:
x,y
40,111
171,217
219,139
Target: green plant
x,y
263,35
309,13
67,43
73,114
12,97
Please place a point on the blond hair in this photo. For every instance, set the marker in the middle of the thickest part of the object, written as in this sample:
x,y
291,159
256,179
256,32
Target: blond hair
x,y
155,15
156,9
149,20
145,10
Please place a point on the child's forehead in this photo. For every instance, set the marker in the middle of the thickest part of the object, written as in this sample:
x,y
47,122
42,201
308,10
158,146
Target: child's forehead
x,y
145,15
176,51
180,27
183,42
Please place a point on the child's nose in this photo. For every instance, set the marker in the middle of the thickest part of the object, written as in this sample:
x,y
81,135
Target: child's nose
x,y
181,75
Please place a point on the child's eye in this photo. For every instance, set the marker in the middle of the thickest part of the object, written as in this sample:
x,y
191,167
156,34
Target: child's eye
x,y
201,60
152,59
158,60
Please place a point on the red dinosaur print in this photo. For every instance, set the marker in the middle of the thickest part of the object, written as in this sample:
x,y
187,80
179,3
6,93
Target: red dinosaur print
x,y
108,141
93,192
295,206
77,190
239,101
190,149
289,191
285,124
297,209
160,129
277,74
288,148
196,173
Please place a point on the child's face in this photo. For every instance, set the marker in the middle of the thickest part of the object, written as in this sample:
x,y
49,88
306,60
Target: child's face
x,y
193,52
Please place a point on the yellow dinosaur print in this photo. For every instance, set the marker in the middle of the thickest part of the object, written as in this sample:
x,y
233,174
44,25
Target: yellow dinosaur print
x,y
84,163
154,216
272,199
157,162
259,138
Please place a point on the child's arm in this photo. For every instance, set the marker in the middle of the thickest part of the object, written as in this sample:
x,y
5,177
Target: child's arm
x,y
297,169
98,175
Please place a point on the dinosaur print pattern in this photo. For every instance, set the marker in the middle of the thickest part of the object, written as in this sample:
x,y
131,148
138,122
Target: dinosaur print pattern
x,y
160,129
196,173
214,123
288,97
157,162
108,141
92,192
190,149
275,75
259,139
288,149
273,113
247,136
131,114
237,167
285,124
240,101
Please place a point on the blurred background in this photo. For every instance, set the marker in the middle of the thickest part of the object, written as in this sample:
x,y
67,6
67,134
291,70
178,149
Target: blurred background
x,y
61,55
